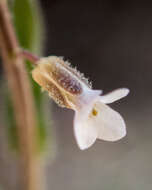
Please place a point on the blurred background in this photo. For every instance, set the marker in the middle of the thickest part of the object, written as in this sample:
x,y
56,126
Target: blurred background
x,y
111,43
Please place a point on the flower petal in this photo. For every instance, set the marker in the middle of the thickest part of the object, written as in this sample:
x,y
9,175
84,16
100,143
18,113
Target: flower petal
x,y
114,95
109,123
85,133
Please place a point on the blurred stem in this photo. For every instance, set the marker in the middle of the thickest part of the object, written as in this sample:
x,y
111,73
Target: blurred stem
x,y
29,56
22,99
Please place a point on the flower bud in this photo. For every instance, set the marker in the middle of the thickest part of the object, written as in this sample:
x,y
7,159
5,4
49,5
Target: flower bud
x,y
62,82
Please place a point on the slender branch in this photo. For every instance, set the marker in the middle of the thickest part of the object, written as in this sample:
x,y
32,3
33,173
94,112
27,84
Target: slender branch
x,y
29,56
21,97
6,28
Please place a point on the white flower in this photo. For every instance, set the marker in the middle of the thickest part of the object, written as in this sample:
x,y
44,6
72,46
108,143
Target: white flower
x,y
96,120
93,118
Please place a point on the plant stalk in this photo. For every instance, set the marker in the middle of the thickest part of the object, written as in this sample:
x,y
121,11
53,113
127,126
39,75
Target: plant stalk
x,y
22,99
